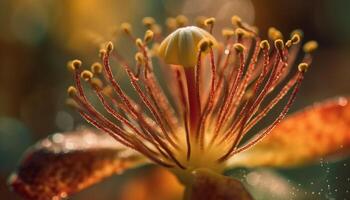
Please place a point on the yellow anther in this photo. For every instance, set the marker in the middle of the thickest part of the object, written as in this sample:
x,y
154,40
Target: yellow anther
x,y
75,64
297,32
139,57
148,21
72,91
171,23
265,45
200,21
227,32
279,44
96,83
239,47
102,53
107,91
181,46
310,46
274,34
181,20
303,67
109,47
157,29
139,43
210,21
126,28
295,39
204,44
240,32
237,21
96,68
148,36
70,67
86,75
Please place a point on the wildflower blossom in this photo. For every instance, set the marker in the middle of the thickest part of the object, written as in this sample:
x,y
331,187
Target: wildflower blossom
x,y
219,92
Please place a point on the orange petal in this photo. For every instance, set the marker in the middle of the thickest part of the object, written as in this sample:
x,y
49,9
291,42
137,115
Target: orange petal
x,y
153,184
64,164
319,131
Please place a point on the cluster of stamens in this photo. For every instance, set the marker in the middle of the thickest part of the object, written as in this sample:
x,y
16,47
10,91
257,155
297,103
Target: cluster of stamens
x,y
218,90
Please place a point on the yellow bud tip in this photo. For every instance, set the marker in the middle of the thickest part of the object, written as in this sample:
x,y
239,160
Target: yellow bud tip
x,y
148,21
126,28
86,75
237,21
303,67
181,20
279,44
139,57
264,45
148,36
227,32
109,47
274,34
96,68
239,47
139,42
96,83
310,46
72,91
210,21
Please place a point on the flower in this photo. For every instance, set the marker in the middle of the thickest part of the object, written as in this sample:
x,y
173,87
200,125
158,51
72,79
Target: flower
x,y
219,92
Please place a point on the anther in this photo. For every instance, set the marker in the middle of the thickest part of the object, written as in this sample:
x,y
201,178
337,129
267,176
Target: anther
x,y
70,67
72,91
126,28
279,45
181,20
237,21
86,75
139,57
76,64
109,47
102,53
171,23
210,21
148,21
303,67
204,44
310,46
240,32
139,43
71,103
297,32
96,68
227,32
239,47
200,21
274,34
96,83
148,36
264,45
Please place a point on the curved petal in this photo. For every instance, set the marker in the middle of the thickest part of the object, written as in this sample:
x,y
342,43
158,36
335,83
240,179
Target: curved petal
x,y
319,131
64,164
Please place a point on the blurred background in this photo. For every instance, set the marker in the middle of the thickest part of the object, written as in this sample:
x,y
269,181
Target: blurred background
x,y
38,37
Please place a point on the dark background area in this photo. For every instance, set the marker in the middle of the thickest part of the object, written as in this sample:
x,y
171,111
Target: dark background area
x,y
38,37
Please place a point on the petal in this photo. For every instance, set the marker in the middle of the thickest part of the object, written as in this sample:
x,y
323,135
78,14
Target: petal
x,y
142,187
319,131
64,164
211,186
